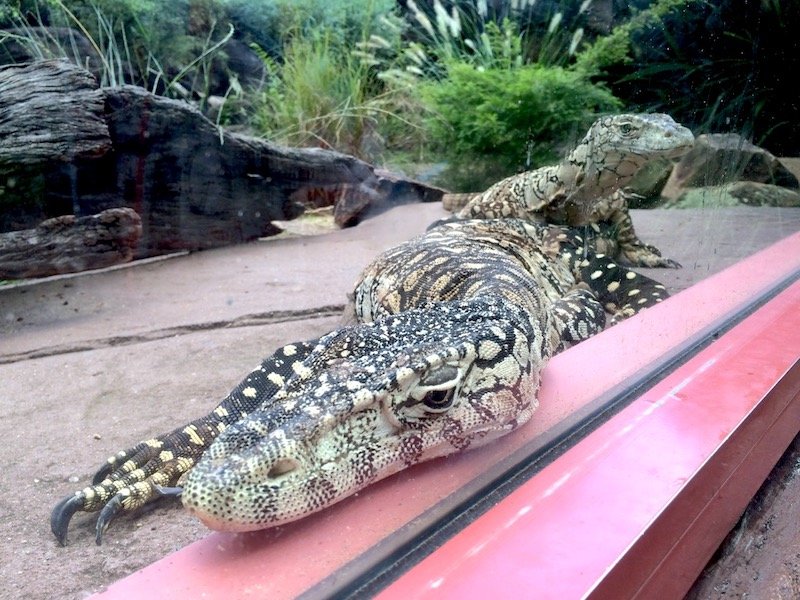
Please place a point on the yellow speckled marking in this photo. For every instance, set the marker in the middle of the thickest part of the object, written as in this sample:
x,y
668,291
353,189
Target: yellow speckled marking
x,y
303,371
221,411
596,275
194,437
276,379
250,392
633,293
613,286
630,275
290,350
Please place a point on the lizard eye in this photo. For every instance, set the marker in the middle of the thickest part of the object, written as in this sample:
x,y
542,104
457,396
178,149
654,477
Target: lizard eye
x,y
436,390
626,128
439,400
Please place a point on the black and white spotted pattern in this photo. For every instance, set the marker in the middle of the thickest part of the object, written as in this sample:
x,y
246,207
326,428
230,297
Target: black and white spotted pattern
x,y
455,328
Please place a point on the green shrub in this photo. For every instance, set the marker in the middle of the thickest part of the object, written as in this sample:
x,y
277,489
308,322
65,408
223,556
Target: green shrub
x,y
515,117
151,43
616,48
270,23
322,95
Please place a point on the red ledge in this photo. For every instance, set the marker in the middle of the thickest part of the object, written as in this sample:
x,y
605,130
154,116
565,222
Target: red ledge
x,y
635,508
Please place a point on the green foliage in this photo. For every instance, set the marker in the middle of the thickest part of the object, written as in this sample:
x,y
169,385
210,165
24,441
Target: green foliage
x,y
421,45
322,95
270,23
715,66
164,45
515,116
476,72
616,48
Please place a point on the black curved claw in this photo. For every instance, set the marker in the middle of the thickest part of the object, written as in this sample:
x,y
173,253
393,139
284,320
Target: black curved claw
x,y
61,515
673,264
108,513
167,492
102,473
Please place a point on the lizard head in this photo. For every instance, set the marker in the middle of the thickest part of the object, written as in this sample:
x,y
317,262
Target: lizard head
x,y
369,401
607,158
638,138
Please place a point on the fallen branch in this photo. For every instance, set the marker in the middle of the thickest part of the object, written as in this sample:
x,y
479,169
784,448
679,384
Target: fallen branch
x,y
69,244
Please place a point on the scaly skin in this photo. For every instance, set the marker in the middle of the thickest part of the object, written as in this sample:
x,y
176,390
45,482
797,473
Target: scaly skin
x,y
456,326
587,186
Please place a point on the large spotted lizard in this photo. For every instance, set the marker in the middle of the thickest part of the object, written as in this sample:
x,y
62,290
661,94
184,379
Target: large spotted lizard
x,y
587,186
455,328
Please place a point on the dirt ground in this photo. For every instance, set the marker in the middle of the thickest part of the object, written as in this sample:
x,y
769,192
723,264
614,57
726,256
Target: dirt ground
x,y
92,363
761,556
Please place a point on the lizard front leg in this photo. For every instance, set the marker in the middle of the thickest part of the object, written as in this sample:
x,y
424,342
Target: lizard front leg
x,y
151,469
631,251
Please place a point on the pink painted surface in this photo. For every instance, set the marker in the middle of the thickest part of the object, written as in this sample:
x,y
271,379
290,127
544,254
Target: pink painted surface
x,y
564,531
275,563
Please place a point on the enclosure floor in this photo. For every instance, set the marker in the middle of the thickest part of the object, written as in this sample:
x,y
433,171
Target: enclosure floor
x,y
93,363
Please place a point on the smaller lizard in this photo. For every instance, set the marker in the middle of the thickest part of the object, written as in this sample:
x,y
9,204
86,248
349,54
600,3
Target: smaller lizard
x,y
587,186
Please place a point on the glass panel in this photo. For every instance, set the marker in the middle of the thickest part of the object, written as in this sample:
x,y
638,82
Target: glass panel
x,y
188,186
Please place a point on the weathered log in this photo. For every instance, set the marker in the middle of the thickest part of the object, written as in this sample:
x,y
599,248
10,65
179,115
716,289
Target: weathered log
x,y
194,185
69,244
50,110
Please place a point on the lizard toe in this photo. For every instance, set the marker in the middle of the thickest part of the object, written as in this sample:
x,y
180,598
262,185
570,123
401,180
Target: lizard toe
x,y
62,514
109,512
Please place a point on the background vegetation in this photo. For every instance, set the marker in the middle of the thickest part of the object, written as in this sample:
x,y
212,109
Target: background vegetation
x,y
485,87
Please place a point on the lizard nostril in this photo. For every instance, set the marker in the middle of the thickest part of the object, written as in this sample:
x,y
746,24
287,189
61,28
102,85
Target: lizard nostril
x,y
281,467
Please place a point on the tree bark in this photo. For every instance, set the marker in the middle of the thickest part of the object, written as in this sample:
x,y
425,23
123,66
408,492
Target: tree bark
x,y
50,110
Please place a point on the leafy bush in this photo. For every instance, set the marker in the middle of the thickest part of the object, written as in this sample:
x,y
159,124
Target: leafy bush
x,y
515,116
271,23
321,95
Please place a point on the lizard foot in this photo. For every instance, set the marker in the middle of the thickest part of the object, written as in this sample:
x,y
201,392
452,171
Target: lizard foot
x,y
151,469
645,255
135,477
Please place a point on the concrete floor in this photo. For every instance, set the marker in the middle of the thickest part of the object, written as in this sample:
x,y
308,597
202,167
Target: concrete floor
x,y
95,362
